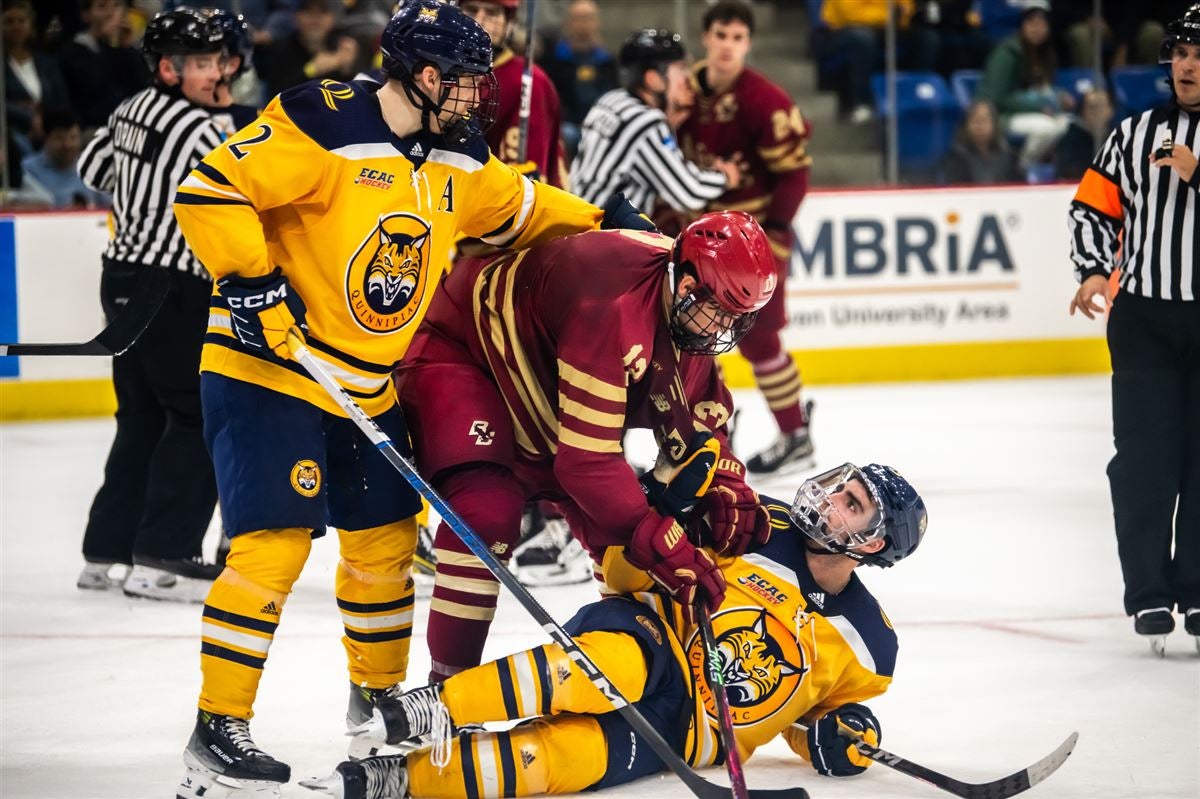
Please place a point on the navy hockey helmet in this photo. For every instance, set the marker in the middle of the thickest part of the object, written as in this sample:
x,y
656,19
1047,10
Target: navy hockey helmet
x,y
181,32
1185,30
645,49
898,516
428,32
237,37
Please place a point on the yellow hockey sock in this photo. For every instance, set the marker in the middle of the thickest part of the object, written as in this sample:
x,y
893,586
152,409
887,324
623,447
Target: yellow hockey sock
x,y
565,754
375,596
544,681
241,613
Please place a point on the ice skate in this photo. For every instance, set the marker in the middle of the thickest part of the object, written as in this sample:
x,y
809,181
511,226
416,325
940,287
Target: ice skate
x,y
551,556
171,579
101,576
1155,624
358,712
375,778
417,717
222,761
790,451
424,561
1191,625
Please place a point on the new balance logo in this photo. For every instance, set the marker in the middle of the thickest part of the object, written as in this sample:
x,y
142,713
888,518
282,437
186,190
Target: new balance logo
x,y
417,151
818,599
271,609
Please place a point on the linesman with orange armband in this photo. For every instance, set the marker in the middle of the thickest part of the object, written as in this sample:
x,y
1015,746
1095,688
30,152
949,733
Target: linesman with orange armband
x,y
331,215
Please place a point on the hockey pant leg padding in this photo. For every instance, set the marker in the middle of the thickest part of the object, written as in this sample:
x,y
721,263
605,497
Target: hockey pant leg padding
x,y
545,681
241,613
490,499
375,597
565,754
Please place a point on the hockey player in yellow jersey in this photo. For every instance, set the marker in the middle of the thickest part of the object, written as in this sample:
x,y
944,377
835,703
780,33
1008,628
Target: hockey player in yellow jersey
x,y
334,212
800,638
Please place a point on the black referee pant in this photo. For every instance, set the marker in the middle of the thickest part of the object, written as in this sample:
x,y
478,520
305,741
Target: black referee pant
x,y
159,491
1155,475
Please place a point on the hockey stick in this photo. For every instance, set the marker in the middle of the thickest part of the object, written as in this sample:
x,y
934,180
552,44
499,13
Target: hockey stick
x,y
149,291
1013,784
716,684
526,84
699,786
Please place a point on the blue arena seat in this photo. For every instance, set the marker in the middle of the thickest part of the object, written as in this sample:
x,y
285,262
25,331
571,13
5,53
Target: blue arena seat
x,y
1136,89
926,114
1078,81
964,82
1000,17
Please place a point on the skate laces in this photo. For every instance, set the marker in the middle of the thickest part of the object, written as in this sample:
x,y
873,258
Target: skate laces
x,y
426,711
386,778
238,732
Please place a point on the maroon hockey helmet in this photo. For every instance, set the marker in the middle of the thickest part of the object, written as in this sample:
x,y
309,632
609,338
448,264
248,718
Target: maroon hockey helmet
x,y
729,255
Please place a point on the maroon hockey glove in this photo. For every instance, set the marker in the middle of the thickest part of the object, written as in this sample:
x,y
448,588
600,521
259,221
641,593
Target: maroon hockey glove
x,y
660,546
731,518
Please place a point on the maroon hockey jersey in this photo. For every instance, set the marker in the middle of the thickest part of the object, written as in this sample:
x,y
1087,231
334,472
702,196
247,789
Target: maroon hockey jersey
x,y
544,148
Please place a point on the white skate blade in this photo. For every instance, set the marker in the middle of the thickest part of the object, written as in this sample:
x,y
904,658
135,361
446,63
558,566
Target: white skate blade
x,y
144,582
371,731
1158,645
330,786
201,782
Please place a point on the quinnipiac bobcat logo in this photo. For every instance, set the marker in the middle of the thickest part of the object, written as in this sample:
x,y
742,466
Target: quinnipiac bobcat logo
x,y
306,478
387,277
760,661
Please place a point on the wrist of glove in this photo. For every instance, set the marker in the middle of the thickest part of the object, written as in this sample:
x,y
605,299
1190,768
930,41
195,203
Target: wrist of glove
x,y
831,740
731,520
620,213
686,483
262,310
660,547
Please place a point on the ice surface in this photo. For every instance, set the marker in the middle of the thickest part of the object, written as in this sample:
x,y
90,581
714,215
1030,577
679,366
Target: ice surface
x,y
1009,617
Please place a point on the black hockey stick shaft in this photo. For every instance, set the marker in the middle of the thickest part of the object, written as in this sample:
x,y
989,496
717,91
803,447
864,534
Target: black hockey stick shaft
x,y
716,684
149,291
699,786
1013,784
526,83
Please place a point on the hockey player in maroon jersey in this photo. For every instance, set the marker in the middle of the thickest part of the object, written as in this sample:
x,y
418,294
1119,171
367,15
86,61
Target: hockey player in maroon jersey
x,y
741,116
543,150
527,371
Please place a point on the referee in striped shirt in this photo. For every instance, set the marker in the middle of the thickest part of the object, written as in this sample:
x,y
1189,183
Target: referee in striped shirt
x,y
627,145
159,492
1136,210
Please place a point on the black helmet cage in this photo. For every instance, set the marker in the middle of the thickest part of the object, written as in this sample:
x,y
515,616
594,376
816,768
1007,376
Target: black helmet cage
x,y
701,309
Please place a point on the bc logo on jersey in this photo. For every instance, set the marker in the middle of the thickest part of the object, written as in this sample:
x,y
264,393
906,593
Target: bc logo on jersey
x,y
386,278
761,663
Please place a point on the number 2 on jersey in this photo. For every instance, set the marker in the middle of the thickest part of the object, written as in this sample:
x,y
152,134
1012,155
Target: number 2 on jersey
x,y
236,148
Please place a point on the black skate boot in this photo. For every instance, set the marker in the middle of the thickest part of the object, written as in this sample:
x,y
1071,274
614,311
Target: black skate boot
x,y
222,760
425,559
551,555
359,711
1191,625
418,716
790,451
374,778
1155,624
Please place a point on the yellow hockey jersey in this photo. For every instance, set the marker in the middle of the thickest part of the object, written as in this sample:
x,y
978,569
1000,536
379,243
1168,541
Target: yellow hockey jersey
x,y
789,650
361,221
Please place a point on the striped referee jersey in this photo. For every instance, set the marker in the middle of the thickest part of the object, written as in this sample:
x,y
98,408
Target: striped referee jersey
x,y
150,144
627,146
1130,215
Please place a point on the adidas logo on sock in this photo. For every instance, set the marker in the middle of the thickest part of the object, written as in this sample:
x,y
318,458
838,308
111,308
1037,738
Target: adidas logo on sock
x,y
270,608
417,150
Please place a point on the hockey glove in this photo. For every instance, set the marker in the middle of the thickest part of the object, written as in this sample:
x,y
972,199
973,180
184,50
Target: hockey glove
x,y
732,520
262,310
620,213
831,740
688,574
688,482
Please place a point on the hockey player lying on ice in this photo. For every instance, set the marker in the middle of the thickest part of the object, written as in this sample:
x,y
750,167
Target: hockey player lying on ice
x,y
800,638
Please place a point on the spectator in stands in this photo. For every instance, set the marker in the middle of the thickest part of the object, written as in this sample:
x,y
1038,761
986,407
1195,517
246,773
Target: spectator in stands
x,y
856,31
980,153
1140,27
32,79
53,169
315,50
99,71
1083,138
58,21
961,41
1019,80
580,68
15,191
